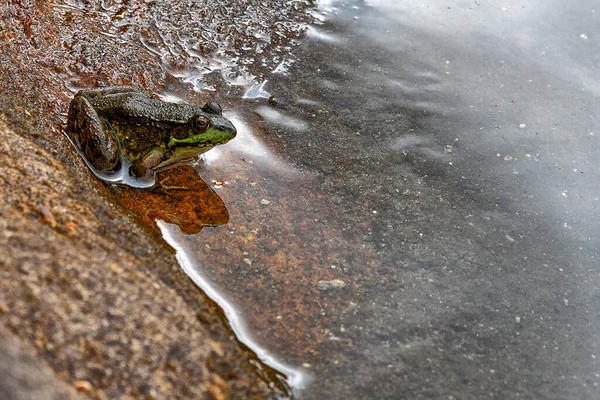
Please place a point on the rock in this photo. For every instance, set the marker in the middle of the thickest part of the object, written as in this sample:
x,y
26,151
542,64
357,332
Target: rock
x,y
330,285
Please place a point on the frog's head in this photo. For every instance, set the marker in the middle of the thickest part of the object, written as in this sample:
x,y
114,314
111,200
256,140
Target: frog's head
x,y
203,131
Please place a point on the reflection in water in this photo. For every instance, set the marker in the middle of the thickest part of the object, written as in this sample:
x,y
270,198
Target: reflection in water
x,y
257,92
278,118
247,146
182,198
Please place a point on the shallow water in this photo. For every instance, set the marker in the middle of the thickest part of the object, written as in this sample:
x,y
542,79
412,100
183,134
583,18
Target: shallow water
x,y
415,213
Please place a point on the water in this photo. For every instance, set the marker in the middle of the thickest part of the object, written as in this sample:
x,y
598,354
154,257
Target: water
x,y
440,161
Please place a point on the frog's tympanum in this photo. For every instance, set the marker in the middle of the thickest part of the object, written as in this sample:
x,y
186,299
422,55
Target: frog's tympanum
x,y
122,125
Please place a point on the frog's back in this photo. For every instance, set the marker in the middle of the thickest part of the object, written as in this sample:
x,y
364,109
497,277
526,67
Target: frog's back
x,y
142,106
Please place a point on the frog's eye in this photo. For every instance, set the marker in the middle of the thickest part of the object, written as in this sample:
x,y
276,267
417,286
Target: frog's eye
x,y
200,124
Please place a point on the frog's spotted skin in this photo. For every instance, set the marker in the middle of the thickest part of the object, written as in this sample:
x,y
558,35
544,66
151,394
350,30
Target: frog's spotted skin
x,y
122,127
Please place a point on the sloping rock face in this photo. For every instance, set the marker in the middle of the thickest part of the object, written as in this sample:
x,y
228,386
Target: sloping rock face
x,y
87,299
24,377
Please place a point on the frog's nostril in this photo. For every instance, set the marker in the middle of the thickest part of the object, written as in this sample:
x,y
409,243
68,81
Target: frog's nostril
x,y
223,125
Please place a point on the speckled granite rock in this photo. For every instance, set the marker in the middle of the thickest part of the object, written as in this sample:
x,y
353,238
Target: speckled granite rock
x,y
24,377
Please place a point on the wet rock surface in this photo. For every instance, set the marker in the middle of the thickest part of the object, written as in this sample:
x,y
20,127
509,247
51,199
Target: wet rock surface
x,y
82,286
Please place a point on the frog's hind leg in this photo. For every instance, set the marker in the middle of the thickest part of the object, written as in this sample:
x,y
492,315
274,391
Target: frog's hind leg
x,y
105,91
93,135
111,91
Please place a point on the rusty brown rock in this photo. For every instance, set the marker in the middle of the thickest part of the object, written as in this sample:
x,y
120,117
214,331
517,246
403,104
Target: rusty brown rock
x,y
185,200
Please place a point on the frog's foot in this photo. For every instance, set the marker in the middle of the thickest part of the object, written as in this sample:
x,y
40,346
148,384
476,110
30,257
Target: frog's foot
x,y
161,188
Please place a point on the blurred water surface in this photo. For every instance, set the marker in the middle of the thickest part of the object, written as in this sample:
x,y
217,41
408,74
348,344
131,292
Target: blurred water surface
x,y
414,212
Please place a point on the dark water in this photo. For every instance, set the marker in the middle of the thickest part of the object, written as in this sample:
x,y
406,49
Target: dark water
x,y
416,213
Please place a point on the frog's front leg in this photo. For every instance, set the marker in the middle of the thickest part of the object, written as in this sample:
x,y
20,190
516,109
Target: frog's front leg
x,y
144,168
93,135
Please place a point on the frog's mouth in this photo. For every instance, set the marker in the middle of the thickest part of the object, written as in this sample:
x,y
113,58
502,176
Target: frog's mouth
x,y
220,131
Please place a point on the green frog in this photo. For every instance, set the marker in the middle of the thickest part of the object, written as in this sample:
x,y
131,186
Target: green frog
x,y
124,128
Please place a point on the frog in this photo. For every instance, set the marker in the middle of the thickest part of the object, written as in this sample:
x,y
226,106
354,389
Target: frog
x,y
116,127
